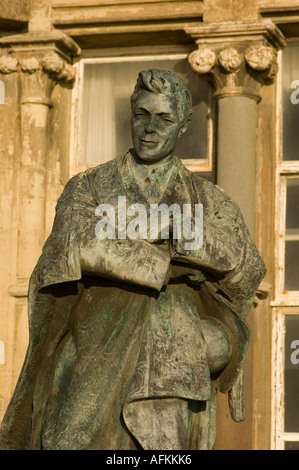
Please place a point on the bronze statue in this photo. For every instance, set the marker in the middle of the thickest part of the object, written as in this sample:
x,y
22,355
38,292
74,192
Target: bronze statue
x,y
134,327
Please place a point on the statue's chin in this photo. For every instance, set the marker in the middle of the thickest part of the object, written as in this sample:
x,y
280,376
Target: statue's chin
x,y
149,159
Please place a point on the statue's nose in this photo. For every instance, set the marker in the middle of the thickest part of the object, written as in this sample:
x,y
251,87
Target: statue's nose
x,y
150,126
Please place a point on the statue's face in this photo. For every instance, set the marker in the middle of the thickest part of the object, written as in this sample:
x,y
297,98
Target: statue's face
x,y
156,127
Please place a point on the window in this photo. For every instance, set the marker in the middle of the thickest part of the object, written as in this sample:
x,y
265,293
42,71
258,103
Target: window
x,y
101,120
285,307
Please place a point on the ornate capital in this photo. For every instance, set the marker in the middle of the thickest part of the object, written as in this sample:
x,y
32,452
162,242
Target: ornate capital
x,y
42,59
235,70
40,74
237,58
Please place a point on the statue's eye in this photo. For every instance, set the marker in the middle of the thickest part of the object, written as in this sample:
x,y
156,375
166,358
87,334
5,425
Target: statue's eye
x,y
139,113
168,120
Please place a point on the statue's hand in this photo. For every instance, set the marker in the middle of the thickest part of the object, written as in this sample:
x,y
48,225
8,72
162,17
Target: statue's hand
x,y
177,271
196,278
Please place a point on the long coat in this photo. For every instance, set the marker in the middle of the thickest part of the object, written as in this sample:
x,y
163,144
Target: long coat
x,y
116,337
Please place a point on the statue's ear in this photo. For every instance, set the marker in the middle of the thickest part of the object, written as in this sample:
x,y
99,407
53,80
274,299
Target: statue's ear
x,y
184,127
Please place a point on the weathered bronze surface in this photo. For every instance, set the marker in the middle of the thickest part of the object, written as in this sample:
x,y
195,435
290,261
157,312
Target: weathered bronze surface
x,y
131,338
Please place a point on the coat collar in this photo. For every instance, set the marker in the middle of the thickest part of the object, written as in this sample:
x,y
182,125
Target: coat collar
x,y
171,183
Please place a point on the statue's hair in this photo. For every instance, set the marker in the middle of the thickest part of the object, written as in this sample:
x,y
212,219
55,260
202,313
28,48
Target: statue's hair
x,y
168,83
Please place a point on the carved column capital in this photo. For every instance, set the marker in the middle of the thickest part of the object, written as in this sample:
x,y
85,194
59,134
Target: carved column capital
x,y
40,73
42,59
237,58
235,70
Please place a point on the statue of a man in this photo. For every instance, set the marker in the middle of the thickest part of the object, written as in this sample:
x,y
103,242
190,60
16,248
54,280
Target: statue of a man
x,y
136,319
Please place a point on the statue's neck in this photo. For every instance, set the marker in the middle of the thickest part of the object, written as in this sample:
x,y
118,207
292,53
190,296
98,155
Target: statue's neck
x,y
153,179
148,167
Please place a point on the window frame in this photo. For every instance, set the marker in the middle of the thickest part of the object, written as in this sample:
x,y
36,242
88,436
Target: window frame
x,y
284,302
97,56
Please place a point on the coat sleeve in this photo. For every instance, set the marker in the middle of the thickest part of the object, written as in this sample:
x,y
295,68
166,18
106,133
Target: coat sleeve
x,y
73,248
50,301
228,253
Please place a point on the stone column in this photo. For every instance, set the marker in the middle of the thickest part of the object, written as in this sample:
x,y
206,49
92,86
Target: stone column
x,y
38,61
44,59
237,59
236,148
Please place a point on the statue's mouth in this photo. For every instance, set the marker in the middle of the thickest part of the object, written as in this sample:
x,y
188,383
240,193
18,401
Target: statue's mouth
x,y
145,141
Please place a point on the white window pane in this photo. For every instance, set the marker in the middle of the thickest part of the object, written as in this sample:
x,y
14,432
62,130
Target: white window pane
x,y
290,102
106,132
292,235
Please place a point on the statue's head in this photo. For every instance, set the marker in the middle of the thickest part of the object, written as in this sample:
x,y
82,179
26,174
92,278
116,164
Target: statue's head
x,y
161,111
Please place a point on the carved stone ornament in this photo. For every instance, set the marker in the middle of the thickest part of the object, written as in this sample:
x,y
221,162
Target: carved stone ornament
x,y
52,63
228,70
230,59
67,74
260,57
202,60
8,64
30,65
40,74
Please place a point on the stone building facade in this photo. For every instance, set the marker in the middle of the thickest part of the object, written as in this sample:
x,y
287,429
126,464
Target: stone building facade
x,y
241,55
